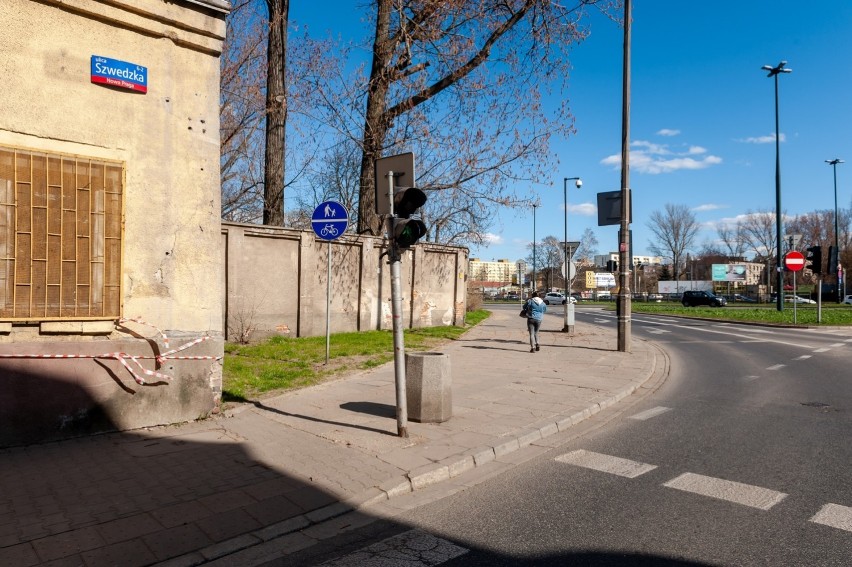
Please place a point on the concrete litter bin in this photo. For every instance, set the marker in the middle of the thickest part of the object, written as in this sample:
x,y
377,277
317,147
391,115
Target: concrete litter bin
x,y
428,388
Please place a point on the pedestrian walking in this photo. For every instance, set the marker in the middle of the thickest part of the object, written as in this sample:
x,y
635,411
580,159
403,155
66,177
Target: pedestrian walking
x,y
535,309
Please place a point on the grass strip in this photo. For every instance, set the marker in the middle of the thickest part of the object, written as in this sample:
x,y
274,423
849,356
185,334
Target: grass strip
x,y
283,363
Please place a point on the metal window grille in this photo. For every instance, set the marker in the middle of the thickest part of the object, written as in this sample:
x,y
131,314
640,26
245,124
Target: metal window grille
x,y
60,236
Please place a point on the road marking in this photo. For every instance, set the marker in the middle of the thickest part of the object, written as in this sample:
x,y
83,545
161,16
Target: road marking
x,y
736,492
722,331
803,357
653,412
835,345
835,516
750,378
776,367
605,463
413,548
822,349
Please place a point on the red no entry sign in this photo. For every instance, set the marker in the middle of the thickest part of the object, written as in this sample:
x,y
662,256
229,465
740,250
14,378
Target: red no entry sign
x,y
794,261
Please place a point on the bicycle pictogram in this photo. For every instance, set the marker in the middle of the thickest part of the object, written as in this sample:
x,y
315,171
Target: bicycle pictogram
x,y
328,230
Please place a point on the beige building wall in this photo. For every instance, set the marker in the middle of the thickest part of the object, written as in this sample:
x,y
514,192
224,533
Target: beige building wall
x,y
277,283
168,143
499,271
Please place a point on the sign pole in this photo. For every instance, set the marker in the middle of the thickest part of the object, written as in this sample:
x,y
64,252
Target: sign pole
x,y
329,220
796,298
396,311
328,307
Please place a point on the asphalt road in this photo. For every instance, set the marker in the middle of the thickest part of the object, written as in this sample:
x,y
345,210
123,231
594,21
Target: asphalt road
x,y
742,457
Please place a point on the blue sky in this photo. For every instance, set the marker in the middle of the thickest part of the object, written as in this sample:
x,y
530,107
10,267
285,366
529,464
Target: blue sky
x,y
702,116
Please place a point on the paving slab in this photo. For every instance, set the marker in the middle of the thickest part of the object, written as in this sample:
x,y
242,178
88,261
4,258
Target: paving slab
x,y
243,488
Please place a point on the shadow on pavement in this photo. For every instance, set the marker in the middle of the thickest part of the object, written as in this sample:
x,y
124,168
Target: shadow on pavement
x,y
134,498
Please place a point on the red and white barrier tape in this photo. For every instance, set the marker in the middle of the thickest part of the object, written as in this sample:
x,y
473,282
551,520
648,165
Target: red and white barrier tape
x,y
141,322
123,357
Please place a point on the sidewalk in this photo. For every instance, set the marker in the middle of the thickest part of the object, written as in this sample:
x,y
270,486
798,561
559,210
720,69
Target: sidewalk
x,y
263,480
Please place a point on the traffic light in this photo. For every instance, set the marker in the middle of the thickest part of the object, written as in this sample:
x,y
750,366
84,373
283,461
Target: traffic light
x,y
407,231
611,266
832,260
814,259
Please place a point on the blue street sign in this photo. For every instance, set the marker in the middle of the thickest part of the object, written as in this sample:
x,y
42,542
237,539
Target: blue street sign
x,y
120,74
329,220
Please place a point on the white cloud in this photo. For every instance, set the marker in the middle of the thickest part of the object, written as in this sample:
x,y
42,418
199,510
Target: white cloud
x,y
709,207
668,132
583,209
491,238
648,157
762,139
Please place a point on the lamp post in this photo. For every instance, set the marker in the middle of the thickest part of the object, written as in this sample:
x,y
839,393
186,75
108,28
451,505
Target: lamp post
x,y
779,300
534,287
833,163
568,325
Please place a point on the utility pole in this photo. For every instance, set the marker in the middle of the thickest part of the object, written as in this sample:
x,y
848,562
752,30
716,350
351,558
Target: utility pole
x,y
624,305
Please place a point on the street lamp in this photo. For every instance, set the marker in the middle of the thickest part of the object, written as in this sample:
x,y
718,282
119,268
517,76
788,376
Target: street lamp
x,y
534,287
774,72
833,163
567,273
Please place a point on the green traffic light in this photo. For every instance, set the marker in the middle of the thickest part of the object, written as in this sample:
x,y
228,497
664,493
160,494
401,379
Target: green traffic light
x,y
407,232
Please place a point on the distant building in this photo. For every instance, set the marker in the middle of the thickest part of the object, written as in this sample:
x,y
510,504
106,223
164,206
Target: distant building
x,y
500,271
602,259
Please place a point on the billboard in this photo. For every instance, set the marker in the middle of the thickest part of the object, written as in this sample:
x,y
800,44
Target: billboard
x,y
729,272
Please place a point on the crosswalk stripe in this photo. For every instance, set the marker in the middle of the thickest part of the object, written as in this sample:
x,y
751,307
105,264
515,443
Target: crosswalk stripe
x,y
605,463
745,494
414,548
835,516
776,367
653,412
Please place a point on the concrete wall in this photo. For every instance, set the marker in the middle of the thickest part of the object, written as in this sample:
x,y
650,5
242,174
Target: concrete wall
x,y
277,281
168,143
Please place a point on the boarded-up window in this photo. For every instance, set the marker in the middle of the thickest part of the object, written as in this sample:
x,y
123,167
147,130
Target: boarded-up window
x,y
60,236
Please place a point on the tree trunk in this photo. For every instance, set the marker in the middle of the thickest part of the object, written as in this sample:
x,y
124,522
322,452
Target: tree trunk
x,y
276,112
375,124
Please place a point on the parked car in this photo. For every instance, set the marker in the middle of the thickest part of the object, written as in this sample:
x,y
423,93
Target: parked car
x,y
693,298
513,295
744,298
555,298
798,299
848,300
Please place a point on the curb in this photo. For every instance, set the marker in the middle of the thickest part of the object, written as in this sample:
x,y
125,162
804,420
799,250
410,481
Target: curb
x,y
417,479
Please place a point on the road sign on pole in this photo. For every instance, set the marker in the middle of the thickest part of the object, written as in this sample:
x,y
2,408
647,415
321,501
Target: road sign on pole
x,y
329,220
794,261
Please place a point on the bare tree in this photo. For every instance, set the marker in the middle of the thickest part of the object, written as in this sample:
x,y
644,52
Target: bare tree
x,y
425,48
276,112
732,239
241,115
758,230
588,246
674,229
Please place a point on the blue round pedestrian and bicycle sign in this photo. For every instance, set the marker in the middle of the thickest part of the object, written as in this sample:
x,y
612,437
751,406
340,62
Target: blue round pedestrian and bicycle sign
x,y
330,220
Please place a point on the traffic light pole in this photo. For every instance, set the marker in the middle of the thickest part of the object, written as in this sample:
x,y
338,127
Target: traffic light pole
x,y
396,311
